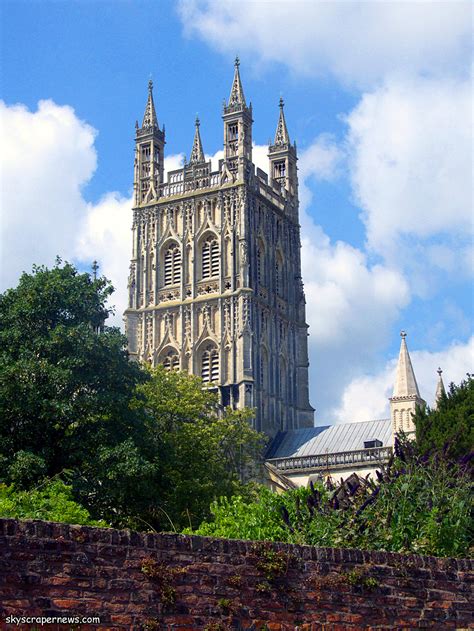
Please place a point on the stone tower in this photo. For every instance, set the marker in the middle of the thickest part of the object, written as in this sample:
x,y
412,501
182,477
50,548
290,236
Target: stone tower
x,y
406,396
215,282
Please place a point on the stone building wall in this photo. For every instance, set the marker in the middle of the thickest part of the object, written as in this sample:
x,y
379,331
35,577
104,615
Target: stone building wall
x,y
215,286
167,581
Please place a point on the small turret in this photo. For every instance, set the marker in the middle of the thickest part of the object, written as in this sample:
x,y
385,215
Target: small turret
x,y
149,153
440,389
406,396
197,153
283,158
238,121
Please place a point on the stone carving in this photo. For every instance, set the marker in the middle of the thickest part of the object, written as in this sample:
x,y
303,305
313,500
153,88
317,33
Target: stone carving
x,y
225,305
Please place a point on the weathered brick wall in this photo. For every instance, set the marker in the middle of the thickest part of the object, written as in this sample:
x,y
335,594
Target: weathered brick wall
x,y
164,581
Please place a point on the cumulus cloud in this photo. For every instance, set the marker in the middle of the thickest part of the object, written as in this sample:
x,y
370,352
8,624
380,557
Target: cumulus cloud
x,y
351,304
322,161
366,397
357,42
351,307
104,234
47,157
410,145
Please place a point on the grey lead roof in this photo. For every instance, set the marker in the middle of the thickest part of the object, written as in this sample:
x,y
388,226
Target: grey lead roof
x,y
312,441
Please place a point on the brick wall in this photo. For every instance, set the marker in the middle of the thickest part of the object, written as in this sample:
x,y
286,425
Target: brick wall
x,y
165,581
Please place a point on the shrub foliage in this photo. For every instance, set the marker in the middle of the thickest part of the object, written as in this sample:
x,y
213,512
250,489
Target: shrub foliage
x,y
52,501
419,503
142,448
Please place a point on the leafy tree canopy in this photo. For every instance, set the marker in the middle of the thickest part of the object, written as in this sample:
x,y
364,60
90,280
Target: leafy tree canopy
x,y
141,448
204,453
449,428
65,378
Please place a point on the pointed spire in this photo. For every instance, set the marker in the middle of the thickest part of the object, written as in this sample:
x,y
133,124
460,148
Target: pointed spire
x,y
282,136
197,153
405,383
237,93
149,118
440,389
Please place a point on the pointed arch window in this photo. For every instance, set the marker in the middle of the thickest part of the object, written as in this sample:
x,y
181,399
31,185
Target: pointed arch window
x,y
407,419
261,264
233,131
279,276
210,258
282,382
172,265
210,365
279,170
171,361
264,376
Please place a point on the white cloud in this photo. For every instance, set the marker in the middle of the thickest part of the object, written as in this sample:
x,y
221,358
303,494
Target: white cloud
x,y
347,298
351,307
321,159
357,42
173,162
105,235
47,157
366,397
321,162
410,145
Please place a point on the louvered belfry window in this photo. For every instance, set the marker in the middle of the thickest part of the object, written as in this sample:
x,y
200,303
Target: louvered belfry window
x,y
210,365
172,265
214,365
210,258
171,361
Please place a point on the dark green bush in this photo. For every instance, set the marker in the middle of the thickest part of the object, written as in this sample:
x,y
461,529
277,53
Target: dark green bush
x,y
26,469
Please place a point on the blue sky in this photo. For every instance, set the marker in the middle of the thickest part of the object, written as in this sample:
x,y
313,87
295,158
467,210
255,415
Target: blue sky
x,y
377,97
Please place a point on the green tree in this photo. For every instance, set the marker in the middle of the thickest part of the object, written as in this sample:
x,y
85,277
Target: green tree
x,y
140,448
203,453
65,379
449,428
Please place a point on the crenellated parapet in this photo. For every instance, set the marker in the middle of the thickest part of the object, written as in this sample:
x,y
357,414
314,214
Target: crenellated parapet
x,y
215,276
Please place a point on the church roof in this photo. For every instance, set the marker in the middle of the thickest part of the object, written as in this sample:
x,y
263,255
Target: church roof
x,y
313,441
405,382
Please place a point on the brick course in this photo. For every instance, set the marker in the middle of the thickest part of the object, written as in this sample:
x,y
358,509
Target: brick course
x,y
167,581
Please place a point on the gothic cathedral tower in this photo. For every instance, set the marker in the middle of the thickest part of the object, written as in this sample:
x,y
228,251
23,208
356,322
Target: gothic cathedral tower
x,y
215,282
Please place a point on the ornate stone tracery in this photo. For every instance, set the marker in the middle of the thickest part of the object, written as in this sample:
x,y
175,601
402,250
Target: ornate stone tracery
x,y
215,278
